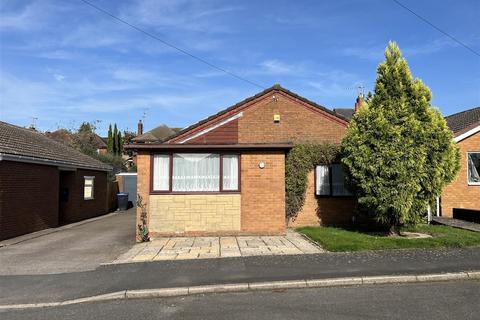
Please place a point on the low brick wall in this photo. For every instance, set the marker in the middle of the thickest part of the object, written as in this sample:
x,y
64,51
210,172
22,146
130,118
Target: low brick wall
x,y
192,214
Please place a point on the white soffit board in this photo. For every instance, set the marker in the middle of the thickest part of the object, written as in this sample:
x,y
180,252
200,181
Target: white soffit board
x,y
467,134
221,123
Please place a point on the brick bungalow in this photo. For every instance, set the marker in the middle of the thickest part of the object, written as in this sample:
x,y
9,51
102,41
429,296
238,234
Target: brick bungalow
x,y
44,183
464,192
226,173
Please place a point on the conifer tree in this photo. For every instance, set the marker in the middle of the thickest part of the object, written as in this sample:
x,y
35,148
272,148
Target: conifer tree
x,y
398,152
115,139
110,140
120,143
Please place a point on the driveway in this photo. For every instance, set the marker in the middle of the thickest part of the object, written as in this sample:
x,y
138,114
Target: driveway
x,y
81,247
183,248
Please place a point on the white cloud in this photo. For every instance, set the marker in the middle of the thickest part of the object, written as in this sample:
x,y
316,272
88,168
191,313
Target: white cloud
x,y
377,52
187,15
59,77
278,67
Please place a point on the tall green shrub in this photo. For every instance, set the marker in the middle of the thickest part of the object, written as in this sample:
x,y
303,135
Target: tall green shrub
x,y
110,139
120,143
398,152
115,139
299,162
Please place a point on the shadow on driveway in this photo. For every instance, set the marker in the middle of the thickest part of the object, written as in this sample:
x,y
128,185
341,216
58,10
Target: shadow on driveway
x,y
79,248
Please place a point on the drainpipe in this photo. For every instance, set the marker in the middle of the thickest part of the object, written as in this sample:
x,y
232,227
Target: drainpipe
x,y
438,206
429,215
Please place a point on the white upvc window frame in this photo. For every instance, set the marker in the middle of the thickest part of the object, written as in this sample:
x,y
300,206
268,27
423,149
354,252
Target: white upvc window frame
x,y
92,178
468,172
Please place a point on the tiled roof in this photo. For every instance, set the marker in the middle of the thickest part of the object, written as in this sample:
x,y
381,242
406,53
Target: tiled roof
x,y
17,141
272,88
461,121
159,133
345,112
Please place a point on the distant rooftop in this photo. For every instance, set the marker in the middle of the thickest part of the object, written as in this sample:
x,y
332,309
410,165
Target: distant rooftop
x,y
345,112
32,145
159,133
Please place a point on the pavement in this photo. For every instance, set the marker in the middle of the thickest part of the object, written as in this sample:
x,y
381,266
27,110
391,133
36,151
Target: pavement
x,y
178,248
187,273
457,223
445,300
72,248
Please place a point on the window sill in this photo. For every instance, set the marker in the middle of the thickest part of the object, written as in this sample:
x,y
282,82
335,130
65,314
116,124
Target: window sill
x,y
473,184
86,199
331,196
193,192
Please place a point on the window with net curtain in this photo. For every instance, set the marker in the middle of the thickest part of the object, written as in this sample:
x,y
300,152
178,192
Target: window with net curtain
x,y
330,181
195,172
474,168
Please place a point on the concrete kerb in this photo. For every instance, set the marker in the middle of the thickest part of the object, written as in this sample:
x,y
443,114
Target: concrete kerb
x,y
254,286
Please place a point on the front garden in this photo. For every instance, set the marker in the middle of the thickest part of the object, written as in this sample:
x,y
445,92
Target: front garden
x,y
339,240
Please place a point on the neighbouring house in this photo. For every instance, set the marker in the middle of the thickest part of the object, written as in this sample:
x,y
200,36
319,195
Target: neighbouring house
x,y
45,183
226,173
156,134
463,194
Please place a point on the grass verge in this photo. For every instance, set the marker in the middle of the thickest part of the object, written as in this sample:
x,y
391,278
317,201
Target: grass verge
x,y
337,239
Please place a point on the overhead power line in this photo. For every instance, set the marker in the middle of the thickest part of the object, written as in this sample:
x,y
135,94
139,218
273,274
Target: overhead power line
x,y
436,28
171,45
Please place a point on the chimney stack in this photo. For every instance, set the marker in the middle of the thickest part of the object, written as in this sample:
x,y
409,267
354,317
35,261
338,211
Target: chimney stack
x,y
139,128
358,103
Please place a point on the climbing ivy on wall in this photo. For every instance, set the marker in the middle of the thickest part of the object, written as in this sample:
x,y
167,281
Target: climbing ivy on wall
x,y
299,162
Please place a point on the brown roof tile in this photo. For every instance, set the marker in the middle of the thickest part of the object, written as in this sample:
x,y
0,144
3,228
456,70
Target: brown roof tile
x,y
460,121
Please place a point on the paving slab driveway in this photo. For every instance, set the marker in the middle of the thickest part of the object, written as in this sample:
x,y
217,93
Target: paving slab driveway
x,y
79,248
180,248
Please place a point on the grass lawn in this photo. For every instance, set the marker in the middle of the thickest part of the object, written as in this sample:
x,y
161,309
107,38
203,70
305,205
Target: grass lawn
x,y
336,239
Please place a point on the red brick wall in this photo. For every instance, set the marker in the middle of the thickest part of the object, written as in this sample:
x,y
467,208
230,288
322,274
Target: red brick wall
x,y
459,194
298,123
143,183
263,193
77,208
28,198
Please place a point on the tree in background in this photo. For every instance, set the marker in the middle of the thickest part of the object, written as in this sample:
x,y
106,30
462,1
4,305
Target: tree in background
x,y
110,139
115,139
84,139
119,141
398,152
127,139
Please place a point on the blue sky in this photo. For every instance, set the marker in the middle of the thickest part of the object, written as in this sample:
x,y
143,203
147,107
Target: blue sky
x,y
64,62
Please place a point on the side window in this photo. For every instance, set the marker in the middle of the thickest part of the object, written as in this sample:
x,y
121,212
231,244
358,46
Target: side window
x,y
88,188
322,181
473,168
338,181
330,181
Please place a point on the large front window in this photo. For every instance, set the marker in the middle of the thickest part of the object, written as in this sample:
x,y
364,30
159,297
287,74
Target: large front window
x,y
195,172
473,168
